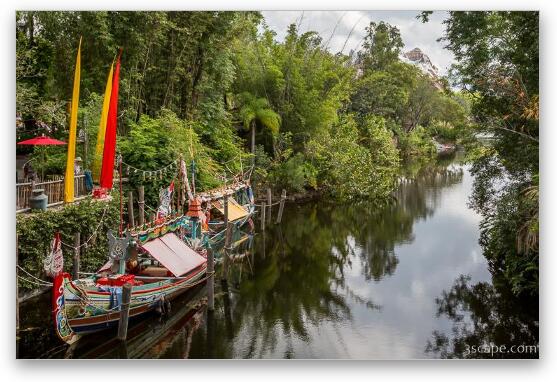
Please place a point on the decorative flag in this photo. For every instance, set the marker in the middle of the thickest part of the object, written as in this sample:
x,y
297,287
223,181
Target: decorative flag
x,y
165,198
54,261
70,163
97,163
109,152
185,182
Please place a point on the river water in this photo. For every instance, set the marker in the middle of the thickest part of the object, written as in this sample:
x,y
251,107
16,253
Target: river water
x,y
348,281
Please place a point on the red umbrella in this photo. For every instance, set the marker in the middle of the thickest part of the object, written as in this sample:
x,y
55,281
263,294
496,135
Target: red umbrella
x,y
43,140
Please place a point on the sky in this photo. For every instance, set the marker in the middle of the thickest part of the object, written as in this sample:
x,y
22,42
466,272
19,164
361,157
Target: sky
x,y
414,33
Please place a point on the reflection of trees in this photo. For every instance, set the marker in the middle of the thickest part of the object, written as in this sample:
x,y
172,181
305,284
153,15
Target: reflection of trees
x,y
377,231
293,278
299,282
483,314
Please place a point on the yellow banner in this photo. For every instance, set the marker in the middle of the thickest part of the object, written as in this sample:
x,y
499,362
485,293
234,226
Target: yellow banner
x,y
97,160
69,178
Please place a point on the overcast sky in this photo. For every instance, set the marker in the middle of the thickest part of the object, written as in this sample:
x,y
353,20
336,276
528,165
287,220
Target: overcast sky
x,y
414,33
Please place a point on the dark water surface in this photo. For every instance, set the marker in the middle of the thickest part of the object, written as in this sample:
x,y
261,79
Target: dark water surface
x,y
337,281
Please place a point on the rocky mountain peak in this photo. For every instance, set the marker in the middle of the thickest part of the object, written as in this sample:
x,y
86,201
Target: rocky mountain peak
x,y
421,60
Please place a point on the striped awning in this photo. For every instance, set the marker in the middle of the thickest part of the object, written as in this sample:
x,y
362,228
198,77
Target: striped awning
x,y
174,254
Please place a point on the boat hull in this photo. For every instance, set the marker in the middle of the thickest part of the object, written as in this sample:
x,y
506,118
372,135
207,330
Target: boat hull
x,y
82,310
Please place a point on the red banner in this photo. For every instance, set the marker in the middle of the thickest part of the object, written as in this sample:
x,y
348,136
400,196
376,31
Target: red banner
x,y
109,152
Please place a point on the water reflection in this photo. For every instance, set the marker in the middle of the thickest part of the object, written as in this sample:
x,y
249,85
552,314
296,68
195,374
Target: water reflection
x,y
338,281
299,282
483,315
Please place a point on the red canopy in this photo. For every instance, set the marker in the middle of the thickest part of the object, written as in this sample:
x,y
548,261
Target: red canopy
x,y
43,140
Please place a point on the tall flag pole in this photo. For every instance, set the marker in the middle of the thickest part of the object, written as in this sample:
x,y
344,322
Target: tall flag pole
x,y
109,152
97,163
69,177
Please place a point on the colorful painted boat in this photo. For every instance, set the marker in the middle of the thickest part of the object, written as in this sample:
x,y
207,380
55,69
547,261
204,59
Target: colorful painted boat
x,y
91,304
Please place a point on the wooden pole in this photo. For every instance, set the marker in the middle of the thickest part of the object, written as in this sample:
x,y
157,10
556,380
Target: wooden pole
x,y
211,284
263,209
229,232
16,283
227,242
130,209
269,202
124,311
226,211
281,206
76,243
141,203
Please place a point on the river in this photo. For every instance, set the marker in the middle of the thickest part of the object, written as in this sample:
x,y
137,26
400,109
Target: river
x,y
333,280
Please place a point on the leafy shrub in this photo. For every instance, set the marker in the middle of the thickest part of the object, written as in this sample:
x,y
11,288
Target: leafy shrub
x,y
356,162
36,231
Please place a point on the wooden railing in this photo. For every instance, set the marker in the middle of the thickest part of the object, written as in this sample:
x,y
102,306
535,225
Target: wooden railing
x,y
54,189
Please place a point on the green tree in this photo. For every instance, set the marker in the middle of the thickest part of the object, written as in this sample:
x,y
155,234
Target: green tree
x,y
256,111
498,65
381,47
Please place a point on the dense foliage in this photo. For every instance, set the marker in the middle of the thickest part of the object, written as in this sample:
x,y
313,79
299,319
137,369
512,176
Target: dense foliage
x,y
497,57
219,89
36,230
219,85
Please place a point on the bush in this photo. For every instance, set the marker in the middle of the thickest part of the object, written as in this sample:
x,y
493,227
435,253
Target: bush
x,y
416,143
154,143
356,161
36,231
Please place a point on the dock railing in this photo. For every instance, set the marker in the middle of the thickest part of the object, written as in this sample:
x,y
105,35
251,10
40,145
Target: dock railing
x,y
54,189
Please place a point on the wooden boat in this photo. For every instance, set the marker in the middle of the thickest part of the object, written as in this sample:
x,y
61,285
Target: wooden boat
x,y
91,304
149,338
241,208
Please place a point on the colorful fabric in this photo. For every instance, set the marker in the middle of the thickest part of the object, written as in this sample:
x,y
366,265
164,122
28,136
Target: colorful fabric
x,y
165,196
109,152
185,183
97,162
70,162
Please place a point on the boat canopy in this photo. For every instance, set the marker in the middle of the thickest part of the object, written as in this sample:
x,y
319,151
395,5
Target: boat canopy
x,y
174,254
235,210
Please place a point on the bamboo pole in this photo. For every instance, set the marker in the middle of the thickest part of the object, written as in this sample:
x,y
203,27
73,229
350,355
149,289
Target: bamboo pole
x,y
263,209
141,203
281,206
124,311
226,259
226,211
211,284
269,202
130,209
76,243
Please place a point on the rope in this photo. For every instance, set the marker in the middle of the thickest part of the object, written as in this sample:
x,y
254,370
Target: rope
x,y
38,281
34,282
267,205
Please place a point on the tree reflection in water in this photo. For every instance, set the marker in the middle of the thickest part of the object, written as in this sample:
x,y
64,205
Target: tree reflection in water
x,y
302,280
297,280
483,315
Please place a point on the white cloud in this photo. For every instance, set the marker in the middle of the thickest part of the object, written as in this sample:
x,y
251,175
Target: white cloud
x,y
351,29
